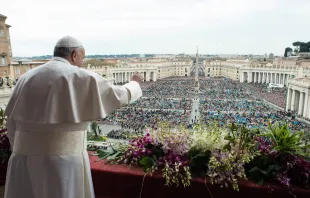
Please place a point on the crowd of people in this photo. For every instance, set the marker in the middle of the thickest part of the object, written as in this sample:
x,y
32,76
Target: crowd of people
x,y
122,134
274,95
206,104
139,119
256,119
221,100
162,103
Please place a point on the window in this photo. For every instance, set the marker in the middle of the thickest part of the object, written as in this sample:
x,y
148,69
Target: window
x,y
3,60
17,71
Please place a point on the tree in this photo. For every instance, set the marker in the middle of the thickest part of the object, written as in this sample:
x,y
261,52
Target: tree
x,y
301,46
287,51
95,128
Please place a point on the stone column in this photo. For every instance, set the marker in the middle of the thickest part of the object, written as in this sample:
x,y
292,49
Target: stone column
x,y
255,77
148,76
301,100
269,77
293,100
241,79
288,99
287,79
264,77
283,79
275,78
305,114
258,80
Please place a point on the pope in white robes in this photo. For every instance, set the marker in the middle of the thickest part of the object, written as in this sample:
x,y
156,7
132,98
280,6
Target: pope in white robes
x,y
48,113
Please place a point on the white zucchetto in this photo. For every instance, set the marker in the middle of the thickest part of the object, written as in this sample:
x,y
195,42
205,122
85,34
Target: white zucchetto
x,y
68,41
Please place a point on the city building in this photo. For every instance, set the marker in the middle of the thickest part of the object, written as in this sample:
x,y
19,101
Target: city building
x,y
229,68
298,96
5,47
278,72
151,69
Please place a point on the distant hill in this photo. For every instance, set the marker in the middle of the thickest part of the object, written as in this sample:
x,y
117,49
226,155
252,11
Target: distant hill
x,y
91,56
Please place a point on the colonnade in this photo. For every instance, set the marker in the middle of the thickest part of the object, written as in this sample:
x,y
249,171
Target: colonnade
x,y
123,77
297,101
266,77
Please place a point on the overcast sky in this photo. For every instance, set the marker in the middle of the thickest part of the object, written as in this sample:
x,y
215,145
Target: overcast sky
x,y
158,26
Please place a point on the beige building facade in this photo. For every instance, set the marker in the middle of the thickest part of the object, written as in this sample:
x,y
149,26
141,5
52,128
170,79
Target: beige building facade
x,y
298,96
149,69
5,47
278,72
228,69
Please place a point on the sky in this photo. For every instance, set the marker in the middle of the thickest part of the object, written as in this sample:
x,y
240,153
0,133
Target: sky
x,y
158,26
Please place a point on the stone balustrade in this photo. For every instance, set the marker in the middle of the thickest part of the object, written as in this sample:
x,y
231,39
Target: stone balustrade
x,y
300,82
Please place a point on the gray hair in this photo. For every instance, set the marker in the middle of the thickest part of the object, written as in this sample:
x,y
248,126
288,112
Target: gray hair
x,y
64,51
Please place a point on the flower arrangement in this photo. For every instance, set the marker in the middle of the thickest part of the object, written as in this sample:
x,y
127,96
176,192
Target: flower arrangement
x,y
222,155
5,149
282,158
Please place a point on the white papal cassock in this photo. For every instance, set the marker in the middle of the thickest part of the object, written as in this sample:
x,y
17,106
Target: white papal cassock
x,y
49,111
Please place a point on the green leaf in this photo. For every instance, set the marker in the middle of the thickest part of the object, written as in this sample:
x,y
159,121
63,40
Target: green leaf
x,y
147,163
103,155
260,182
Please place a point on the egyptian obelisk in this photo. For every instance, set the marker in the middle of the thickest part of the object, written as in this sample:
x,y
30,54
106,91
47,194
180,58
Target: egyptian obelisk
x,y
195,113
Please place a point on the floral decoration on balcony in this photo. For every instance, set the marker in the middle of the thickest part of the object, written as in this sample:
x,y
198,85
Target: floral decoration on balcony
x,y
5,148
220,155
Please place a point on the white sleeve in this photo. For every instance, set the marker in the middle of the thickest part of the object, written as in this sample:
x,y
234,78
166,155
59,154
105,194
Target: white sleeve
x,y
134,90
11,126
